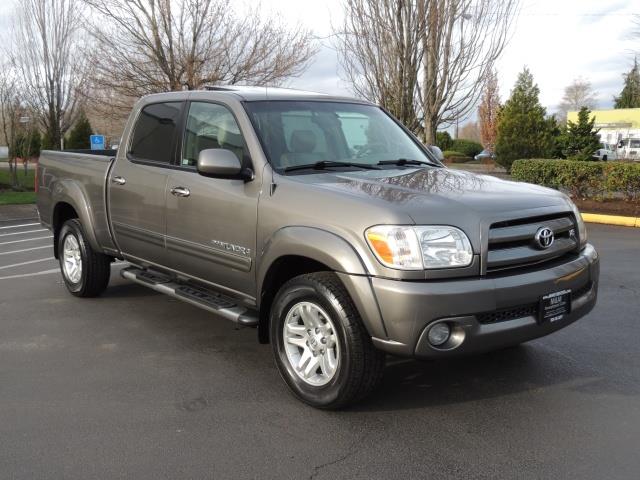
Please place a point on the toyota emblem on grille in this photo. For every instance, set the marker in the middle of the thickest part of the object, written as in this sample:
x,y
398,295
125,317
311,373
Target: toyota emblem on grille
x,y
544,237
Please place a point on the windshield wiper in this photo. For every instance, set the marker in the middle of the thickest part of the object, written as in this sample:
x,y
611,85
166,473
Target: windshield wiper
x,y
323,164
404,161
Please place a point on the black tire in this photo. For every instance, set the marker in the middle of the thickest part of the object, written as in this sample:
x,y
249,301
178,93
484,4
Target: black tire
x,y
360,366
604,158
96,267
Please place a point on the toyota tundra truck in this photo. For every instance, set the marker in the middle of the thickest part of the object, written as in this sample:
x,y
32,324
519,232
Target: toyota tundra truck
x,y
325,224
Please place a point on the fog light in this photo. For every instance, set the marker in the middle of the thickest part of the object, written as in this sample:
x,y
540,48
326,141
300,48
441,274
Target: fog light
x,y
439,334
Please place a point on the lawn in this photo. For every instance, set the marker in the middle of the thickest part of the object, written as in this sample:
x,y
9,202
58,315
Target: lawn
x,y
24,181
16,198
24,193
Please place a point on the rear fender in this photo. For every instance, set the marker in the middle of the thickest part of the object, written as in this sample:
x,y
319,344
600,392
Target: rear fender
x,y
70,192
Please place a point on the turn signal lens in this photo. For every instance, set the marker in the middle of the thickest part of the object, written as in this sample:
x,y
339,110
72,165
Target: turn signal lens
x,y
395,246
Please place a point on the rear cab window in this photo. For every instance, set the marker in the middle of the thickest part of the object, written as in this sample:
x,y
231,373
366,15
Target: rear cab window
x,y
154,133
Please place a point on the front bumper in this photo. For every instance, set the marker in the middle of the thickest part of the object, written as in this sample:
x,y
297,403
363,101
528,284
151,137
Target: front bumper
x,y
408,308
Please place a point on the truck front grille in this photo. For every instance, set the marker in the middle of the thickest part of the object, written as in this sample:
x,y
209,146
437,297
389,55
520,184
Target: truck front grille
x,y
507,314
513,244
528,310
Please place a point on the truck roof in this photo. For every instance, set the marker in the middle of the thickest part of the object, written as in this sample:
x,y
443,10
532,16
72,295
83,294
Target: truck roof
x,y
257,93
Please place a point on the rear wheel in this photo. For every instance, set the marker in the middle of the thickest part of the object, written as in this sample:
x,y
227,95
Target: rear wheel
x,y
604,158
85,271
321,347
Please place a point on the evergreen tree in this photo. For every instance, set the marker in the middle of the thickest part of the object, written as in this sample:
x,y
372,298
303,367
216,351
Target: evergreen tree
x,y
79,135
444,140
630,94
523,130
47,142
34,142
581,139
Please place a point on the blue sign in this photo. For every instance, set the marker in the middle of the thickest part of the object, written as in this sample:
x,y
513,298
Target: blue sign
x,y
97,142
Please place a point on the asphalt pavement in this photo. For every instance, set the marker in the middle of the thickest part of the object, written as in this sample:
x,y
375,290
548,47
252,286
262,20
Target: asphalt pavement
x,y
134,384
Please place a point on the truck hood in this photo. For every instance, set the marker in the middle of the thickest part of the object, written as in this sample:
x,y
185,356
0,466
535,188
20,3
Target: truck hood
x,y
431,194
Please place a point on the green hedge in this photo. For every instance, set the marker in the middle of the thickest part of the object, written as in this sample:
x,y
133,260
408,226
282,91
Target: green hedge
x,y
582,179
455,157
467,147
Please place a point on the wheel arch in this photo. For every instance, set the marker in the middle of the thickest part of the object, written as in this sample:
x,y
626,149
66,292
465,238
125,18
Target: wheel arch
x,y
70,202
294,251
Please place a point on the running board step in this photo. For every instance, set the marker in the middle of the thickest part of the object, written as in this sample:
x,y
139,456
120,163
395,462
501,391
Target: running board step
x,y
207,299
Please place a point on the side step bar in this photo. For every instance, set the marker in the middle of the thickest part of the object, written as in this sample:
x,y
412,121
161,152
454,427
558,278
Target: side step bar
x,y
207,299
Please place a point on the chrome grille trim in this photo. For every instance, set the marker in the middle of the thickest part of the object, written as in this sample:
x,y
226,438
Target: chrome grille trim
x,y
511,244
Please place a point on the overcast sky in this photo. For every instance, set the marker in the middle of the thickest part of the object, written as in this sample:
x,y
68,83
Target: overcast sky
x,y
558,40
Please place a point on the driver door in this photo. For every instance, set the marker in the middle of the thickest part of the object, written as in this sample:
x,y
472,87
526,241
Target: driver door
x,y
211,222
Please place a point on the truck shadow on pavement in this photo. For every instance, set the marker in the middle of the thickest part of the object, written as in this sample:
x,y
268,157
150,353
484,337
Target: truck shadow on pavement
x,y
409,383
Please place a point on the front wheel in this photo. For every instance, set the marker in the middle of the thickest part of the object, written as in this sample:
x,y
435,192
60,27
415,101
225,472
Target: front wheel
x,y
321,347
85,271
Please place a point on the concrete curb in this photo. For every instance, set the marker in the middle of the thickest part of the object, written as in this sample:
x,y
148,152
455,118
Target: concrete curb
x,y
612,220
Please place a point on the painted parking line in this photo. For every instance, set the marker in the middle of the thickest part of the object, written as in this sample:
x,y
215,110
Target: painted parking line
x,y
27,263
18,226
25,240
47,272
25,250
44,272
20,233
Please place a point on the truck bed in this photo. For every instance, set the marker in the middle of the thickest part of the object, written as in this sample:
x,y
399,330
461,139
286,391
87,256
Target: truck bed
x,y
78,178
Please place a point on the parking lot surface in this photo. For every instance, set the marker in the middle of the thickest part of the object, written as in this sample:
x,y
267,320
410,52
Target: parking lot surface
x,y
137,385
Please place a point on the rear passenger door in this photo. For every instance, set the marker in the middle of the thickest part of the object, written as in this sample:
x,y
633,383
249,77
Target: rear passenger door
x,y
137,184
211,222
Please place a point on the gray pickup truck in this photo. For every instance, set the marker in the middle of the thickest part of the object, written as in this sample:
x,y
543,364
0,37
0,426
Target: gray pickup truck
x,y
324,223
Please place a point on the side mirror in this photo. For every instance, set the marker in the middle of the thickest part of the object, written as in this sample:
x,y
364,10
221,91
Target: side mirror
x,y
221,163
437,152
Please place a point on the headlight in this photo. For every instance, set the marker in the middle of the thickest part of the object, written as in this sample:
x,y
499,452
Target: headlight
x,y
582,228
418,248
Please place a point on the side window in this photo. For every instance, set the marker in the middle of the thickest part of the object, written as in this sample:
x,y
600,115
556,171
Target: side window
x,y
210,126
154,132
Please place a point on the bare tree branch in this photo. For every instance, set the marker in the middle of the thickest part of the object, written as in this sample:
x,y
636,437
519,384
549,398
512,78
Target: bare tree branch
x,y
448,46
51,67
379,46
149,46
577,95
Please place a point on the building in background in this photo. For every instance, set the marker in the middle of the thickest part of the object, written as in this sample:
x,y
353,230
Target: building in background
x,y
619,129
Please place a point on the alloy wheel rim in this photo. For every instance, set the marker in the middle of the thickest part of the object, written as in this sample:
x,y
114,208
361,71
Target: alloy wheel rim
x,y
72,259
311,343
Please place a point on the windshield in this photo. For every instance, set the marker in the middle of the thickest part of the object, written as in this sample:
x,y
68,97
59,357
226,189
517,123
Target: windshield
x,y
303,133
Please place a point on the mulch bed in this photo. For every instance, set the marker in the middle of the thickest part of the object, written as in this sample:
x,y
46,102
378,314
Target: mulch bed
x,y
609,207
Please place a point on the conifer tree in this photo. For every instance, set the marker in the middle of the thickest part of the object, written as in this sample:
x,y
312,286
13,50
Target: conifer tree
x,y
630,94
79,135
581,139
523,130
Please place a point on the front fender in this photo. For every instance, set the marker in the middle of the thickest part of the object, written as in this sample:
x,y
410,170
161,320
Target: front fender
x,y
334,252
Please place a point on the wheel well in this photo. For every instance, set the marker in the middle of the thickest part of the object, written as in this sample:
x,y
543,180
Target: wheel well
x,y
61,213
280,272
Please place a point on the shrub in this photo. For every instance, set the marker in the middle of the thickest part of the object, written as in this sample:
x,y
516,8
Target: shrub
x,y
582,179
468,148
444,141
624,178
455,157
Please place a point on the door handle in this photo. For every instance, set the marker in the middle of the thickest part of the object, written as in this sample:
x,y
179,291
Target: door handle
x,y
118,180
180,191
